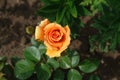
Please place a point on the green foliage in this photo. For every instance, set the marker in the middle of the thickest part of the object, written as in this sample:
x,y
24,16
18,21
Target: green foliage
x,y
61,11
95,5
2,62
94,77
53,68
89,65
42,49
6,70
108,37
14,60
69,61
43,72
2,65
65,12
75,58
24,69
74,75
65,62
32,54
35,43
53,63
58,75
36,65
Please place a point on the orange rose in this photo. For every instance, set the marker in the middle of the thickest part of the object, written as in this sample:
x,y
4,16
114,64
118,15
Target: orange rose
x,y
39,33
55,37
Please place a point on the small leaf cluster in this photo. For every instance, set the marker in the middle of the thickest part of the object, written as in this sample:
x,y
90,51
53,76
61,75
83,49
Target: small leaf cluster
x,y
95,5
36,65
6,69
64,12
108,26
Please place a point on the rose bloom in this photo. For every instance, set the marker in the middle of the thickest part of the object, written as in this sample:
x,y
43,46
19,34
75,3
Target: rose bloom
x,y
56,38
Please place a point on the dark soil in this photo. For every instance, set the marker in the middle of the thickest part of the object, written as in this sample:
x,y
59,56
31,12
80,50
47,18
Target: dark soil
x,y
16,15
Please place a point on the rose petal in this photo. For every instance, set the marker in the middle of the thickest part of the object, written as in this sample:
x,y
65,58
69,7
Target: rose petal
x,y
67,30
53,26
56,53
48,29
44,22
53,53
56,35
39,33
67,40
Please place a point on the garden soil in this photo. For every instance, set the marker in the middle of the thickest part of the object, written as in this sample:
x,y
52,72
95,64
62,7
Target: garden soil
x,y
16,15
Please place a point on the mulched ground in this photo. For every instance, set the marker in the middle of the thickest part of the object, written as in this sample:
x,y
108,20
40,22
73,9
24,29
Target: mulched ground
x,y
16,15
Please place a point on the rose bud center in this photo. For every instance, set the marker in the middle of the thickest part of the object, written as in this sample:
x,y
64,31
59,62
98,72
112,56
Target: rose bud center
x,y
56,35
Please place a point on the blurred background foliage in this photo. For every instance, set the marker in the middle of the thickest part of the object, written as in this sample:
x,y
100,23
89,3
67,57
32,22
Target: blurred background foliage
x,y
104,13
108,25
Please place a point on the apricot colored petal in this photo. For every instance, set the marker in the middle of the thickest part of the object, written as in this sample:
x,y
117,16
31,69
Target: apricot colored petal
x,y
67,29
67,40
39,33
48,42
48,45
53,53
44,23
52,26
57,53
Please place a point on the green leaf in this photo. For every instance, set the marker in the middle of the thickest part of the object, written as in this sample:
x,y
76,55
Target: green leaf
x,y
86,2
89,65
84,12
48,2
2,78
9,71
42,49
53,63
32,54
94,77
114,4
64,21
24,69
14,60
65,62
74,58
74,75
49,9
3,59
34,42
1,65
81,24
43,72
58,75
2,62
73,10
60,14
118,39
51,16
68,16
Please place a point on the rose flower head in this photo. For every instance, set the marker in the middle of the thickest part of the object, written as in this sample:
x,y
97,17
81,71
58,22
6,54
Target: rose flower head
x,y
56,38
